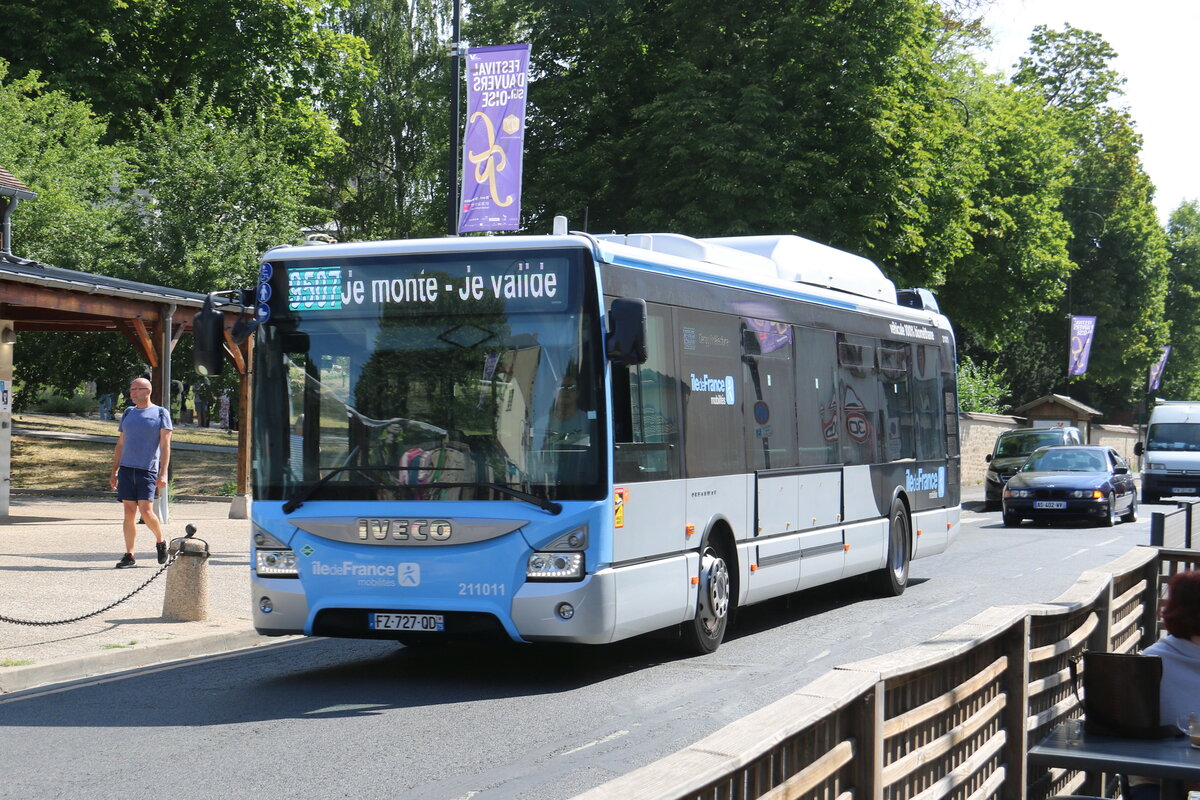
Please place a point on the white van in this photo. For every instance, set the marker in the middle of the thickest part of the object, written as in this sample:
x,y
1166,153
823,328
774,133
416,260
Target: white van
x,y
1171,453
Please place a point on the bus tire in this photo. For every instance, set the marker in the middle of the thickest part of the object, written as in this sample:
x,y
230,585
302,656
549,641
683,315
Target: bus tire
x,y
892,580
704,633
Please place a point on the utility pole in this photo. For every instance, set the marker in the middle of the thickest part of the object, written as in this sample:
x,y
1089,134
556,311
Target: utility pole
x,y
455,80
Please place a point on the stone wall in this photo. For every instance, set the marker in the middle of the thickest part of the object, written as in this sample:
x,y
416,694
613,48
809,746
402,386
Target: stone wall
x,y
979,432
1120,438
977,438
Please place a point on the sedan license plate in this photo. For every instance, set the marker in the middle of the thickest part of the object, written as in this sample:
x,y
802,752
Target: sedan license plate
x,y
406,622
1049,503
1184,490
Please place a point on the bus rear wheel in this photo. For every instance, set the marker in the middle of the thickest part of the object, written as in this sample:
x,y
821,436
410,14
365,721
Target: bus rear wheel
x,y
704,633
892,580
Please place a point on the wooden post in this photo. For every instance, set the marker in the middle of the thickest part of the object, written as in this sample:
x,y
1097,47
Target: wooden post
x,y
240,508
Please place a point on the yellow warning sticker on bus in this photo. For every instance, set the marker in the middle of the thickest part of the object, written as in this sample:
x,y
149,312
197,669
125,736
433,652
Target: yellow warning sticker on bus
x,y
620,497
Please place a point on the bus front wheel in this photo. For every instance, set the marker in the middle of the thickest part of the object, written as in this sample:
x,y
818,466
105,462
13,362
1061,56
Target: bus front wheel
x,y
893,578
703,634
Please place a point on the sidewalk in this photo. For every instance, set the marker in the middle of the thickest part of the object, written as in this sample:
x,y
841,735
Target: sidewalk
x,y
56,562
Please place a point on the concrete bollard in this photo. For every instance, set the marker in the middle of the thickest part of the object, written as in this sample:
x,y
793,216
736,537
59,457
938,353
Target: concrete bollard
x,y
186,598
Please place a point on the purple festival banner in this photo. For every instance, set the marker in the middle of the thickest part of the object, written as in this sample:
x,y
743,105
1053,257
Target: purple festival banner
x,y
1156,369
494,139
1082,330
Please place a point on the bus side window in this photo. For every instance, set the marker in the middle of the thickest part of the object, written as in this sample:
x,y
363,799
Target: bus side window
x,y
768,383
818,425
711,363
894,368
646,408
859,386
927,403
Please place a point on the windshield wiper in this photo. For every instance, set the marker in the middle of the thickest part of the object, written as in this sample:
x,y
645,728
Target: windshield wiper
x,y
503,488
306,491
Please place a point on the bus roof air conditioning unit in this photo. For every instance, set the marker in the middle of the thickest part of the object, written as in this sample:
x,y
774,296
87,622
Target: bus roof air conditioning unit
x,y
707,251
805,261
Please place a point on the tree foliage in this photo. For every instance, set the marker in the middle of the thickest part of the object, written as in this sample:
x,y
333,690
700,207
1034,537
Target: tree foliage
x,y
1116,243
174,142
389,182
126,57
214,193
1181,378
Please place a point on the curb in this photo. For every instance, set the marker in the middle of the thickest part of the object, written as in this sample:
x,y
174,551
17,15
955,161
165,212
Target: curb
x,y
15,679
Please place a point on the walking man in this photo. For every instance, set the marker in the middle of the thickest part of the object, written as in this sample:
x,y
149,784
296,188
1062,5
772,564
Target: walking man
x,y
140,466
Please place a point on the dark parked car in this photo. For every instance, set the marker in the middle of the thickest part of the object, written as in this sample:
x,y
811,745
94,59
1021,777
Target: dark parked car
x,y
1010,452
1068,481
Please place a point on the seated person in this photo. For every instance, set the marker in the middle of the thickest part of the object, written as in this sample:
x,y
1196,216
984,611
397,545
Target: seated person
x,y
569,423
1180,654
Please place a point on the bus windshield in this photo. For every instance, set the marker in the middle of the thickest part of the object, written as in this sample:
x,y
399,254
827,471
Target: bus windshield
x,y
430,377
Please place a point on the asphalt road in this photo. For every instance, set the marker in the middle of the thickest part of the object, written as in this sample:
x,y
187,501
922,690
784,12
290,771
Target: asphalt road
x,y
341,718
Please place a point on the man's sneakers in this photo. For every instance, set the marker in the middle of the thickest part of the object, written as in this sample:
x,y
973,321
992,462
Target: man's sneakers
x,y
128,560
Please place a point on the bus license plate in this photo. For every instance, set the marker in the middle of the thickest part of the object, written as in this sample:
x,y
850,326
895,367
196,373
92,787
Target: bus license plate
x,y
1050,504
406,622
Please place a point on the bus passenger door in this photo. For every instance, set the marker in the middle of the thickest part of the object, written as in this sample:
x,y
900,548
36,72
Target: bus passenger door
x,y
819,431
649,490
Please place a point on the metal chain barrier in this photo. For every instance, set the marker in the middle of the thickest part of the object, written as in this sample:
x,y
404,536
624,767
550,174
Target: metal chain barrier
x,y
191,531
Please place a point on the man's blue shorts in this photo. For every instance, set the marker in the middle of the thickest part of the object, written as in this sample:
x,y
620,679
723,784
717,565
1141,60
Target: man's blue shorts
x,y
136,484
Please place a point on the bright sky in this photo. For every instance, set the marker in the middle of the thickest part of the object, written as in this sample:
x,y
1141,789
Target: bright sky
x,y
1157,43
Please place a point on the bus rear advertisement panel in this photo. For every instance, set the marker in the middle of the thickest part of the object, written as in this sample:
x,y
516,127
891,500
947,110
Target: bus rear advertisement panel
x,y
460,439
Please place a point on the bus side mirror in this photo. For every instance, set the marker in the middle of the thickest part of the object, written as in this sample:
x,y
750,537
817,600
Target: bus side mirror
x,y
208,334
626,341
1138,448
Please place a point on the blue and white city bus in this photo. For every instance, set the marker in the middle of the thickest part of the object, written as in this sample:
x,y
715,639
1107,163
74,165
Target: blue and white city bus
x,y
579,438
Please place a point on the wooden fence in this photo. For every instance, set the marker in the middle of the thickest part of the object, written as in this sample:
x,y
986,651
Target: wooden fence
x,y
952,717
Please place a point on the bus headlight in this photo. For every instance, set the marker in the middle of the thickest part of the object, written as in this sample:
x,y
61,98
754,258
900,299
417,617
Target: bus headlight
x,y
554,567
276,563
272,557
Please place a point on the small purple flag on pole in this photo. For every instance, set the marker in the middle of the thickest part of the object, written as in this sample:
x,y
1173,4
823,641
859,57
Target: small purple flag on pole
x,y
1082,330
495,137
1156,369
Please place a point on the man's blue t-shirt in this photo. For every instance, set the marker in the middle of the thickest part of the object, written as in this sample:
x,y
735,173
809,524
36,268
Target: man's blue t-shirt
x,y
141,427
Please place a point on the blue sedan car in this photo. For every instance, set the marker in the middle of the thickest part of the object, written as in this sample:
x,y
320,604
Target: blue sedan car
x,y
1071,482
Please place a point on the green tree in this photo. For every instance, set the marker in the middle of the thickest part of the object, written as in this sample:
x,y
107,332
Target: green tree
x,y
1117,245
54,145
1181,379
742,118
126,57
390,180
214,193
1017,264
980,388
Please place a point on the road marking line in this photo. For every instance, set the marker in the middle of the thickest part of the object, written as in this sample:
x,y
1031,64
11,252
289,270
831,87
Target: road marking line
x,y
608,738
1077,553
819,656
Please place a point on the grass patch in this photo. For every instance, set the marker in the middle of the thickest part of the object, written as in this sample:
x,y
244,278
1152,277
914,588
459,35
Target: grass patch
x,y
118,646
85,466
108,427
15,662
